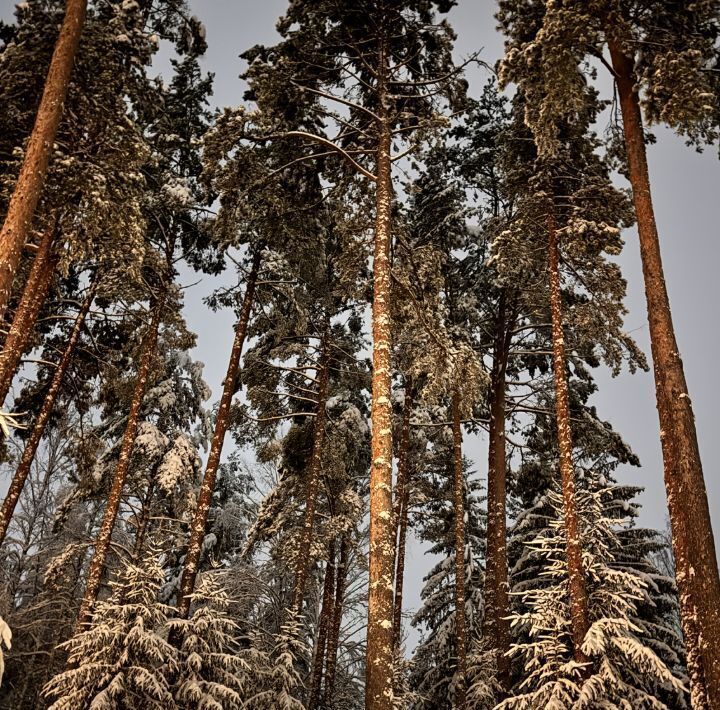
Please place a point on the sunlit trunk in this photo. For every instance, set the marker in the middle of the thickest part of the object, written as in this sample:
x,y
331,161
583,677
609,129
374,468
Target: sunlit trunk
x,y
102,540
25,197
199,522
31,447
379,656
579,618
34,295
693,542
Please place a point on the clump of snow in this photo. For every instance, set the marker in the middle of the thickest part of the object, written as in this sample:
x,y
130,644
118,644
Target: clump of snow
x,y
5,639
182,461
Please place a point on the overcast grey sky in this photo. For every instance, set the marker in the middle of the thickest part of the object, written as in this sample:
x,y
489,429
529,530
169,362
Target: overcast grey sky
x,y
687,198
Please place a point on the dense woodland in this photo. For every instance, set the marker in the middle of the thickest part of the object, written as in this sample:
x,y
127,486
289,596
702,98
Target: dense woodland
x,y
408,265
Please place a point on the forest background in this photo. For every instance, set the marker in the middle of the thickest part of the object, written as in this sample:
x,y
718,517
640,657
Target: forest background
x,y
686,187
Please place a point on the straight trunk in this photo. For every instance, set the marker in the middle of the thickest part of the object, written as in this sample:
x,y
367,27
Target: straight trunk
x,y
25,197
326,617
401,513
26,315
693,542
102,541
576,573
497,625
313,482
379,655
144,522
333,642
200,519
31,447
459,510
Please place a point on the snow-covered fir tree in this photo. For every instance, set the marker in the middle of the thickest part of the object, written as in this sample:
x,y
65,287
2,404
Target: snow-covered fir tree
x,y
433,663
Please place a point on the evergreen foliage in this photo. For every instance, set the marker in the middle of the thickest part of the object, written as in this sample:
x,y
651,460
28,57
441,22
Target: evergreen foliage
x,y
410,264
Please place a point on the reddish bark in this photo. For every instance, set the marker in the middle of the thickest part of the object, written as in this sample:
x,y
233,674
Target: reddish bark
x,y
459,510
25,197
26,315
313,482
576,574
333,641
693,541
497,625
28,454
379,654
326,617
207,487
400,514
102,541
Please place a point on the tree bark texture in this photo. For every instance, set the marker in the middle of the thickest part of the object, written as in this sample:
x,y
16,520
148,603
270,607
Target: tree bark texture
x,y
400,515
25,197
31,447
459,517
497,625
576,574
207,487
692,536
34,294
379,655
313,483
102,541
326,617
333,642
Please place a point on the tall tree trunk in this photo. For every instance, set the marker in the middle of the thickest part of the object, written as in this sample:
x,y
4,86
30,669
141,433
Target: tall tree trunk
x,y
144,521
313,482
693,542
400,515
31,447
200,518
459,510
326,617
576,573
33,171
102,541
379,655
497,625
26,315
333,642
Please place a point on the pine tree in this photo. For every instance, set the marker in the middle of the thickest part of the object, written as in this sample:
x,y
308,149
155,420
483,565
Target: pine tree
x,y
199,523
318,39
588,231
671,76
16,226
